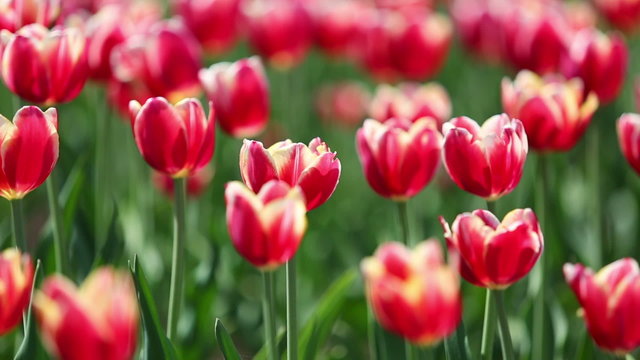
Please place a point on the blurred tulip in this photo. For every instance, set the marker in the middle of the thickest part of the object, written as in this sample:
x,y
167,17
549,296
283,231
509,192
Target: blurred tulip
x,y
240,94
623,14
266,228
411,101
314,168
407,7
374,45
98,320
636,92
554,111
494,254
175,140
196,183
213,22
486,161
29,150
16,281
413,293
43,66
480,27
629,139
119,94
398,157
610,300
343,103
336,25
600,60
15,14
279,30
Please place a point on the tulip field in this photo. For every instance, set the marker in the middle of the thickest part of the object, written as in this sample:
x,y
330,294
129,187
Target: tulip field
x,y
319,179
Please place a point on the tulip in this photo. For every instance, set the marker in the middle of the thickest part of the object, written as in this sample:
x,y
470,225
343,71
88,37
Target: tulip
x,y
600,60
343,103
629,137
213,22
411,101
610,300
336,25
44,66
553,111
119,94
279,30
398,157
486,161
15,14
623,14
374,48
98,320
480,27
240,95
266,228
314,168
196,183
413,293
177,140
494,254
29,150
16,281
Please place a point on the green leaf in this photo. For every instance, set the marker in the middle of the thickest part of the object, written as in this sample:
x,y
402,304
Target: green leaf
x,y
281,345
156,346
31,348
226,344
456,346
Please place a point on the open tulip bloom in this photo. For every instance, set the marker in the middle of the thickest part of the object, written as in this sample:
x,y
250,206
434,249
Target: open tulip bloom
x,y
16,280
628,127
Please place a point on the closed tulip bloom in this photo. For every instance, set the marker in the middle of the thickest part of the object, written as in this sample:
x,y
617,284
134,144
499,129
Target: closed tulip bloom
x,y
266,228
15,14
494,254
177,140
413,292
600,60
98,320
399,157
610,300
629,138
411,101
623,14
554,111
29,150
336,25
314,168
240,95
213,22
44,66
16,280
486,161
196,183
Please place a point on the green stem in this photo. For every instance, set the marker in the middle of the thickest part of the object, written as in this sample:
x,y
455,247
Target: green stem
x,y
59,243
505,335
410,353
268,313
371,322
292,311
404,221
538,273
629,357
491,206
17,225
101,173
489,327
593,168
177,263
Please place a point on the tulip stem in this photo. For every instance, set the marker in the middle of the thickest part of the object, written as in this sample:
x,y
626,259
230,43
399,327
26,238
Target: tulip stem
x,y
177,263
629,357
292,311
491,206
404,221
489,327
100,182
538,273
410,353
17,225
505,335
59,243
268,313
371,322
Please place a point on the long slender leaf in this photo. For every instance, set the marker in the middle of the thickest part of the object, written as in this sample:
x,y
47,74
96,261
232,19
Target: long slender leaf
x,y
31,348
225,342
456,346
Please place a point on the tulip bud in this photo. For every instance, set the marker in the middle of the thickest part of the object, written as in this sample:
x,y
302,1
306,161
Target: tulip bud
x,y
213,22
413,293
16,281
623,14
610,300
314,168
411,101
629,138
600,60
494,254
486,161
196,183
398,157
553,111
98,320
343,103
266,228
15,14
44,66
240,94
175,140
29,150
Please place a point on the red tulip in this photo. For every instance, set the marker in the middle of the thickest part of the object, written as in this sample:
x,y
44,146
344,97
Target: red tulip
x,y
413,293
213,22
480,27
494,254
29,150
629,138
15,14
119,94
44,66
336,25
16,281
240,94
196,183
398,157
374,45
486,161
266,228
99,320
600,60
314,168
636,92
610,300
623,14
175,140
411,101
279,30
554,111
343,103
